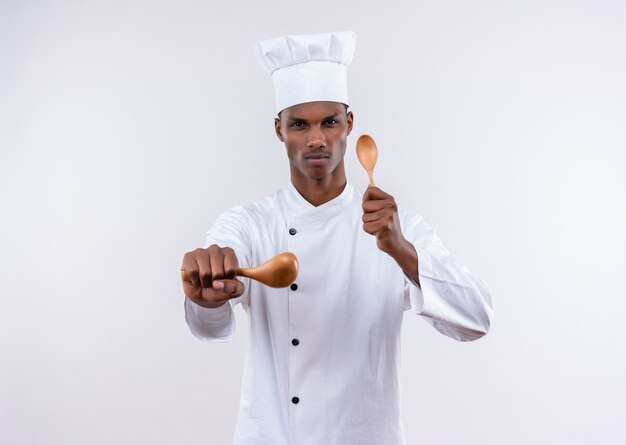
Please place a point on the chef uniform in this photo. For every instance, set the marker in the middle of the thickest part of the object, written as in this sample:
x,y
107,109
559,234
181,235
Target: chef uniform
x,y
324,357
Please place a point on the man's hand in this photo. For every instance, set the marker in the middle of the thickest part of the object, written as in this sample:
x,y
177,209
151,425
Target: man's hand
x,y
380,218
211,273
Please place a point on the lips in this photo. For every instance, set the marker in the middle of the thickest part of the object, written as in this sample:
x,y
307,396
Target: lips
x,y
317,159
317,156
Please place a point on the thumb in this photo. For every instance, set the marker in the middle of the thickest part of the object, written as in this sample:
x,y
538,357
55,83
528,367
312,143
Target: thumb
x,y
233,288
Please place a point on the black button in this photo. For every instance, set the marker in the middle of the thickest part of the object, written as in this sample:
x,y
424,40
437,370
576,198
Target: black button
x,y
295,400
292,231
294,286
295,342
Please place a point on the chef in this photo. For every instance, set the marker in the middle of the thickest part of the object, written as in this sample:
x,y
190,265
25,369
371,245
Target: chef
x,y
324,358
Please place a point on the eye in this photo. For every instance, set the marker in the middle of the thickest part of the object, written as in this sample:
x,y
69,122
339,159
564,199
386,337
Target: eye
x,y
297,124
331,122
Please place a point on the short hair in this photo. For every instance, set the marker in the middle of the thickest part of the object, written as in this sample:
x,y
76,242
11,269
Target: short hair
x,y
346,106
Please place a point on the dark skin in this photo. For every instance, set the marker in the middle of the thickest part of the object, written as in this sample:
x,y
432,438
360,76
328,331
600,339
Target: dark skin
x,y
315,136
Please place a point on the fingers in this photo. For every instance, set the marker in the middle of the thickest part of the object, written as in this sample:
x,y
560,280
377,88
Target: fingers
x,y
230,263
375,216
222,291
373,206
216,260
211,274
375,200
191,267
380,219
378,209
203,258
374,193
378,228
378,223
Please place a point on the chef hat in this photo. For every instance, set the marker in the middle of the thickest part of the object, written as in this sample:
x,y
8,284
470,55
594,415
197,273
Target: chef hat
x,y
309,67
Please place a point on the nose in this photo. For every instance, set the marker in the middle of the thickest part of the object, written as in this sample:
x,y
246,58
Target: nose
x,y
316,138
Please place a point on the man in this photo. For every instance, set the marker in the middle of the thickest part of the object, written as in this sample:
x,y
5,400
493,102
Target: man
x,y
323,361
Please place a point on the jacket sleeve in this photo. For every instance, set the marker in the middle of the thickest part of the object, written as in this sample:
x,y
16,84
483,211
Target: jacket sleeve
x,y
451,298
218,324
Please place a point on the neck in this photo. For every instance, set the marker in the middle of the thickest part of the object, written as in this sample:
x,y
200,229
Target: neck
x,y
320,191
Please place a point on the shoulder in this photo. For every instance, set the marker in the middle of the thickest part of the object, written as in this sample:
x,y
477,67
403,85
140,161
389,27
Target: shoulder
x,y
256,211
237,226
410,216
415,226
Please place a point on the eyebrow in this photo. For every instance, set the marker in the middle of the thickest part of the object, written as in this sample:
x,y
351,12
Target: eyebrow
x,y
334,116
301,119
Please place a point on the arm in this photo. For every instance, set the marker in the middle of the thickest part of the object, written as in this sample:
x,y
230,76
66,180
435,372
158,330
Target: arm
x,y
212,290
438,286
381,219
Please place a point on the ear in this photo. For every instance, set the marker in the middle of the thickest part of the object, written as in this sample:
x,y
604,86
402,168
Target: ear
x,y
278,130
350,121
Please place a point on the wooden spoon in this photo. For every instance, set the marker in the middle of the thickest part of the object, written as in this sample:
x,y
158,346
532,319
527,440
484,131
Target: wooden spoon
x,y
367,153
279,271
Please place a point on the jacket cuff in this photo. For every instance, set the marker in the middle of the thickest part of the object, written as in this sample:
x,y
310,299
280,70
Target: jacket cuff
x,y
420,295
210,324
209,314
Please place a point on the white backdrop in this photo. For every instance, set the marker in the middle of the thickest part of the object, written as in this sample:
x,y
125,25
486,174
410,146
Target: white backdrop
x,y
126,127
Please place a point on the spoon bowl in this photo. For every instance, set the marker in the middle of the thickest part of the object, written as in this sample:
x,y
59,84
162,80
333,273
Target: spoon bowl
x,y
367,152
278,271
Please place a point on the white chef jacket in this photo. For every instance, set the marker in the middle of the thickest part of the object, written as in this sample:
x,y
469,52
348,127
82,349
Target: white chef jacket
x,y
324,357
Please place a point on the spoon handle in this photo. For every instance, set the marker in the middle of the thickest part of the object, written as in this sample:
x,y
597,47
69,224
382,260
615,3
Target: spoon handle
x,y
370,173
246,272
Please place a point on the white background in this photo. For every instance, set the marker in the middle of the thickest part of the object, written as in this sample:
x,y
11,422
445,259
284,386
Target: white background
x,y
126,127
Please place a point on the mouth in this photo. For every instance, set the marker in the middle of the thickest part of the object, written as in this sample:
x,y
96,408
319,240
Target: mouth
x,y
317,158
317,155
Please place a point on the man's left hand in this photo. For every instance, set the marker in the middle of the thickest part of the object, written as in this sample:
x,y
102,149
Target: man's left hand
x,y
380,218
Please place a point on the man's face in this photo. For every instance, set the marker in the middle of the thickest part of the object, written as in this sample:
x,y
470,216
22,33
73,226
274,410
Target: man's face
x,y
315,135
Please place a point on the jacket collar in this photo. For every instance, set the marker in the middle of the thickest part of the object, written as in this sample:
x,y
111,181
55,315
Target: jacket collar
x,y
295,206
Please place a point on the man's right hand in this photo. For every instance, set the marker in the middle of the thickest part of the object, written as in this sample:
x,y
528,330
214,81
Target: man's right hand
x,y
211,273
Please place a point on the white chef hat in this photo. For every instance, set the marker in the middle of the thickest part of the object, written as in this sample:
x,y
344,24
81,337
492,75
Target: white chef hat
x,y
308,67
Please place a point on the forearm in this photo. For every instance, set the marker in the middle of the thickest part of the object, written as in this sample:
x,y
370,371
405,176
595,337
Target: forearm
x,y
406,257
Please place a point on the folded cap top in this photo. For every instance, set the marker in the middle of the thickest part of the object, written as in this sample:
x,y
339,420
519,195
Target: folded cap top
x,y
308,67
